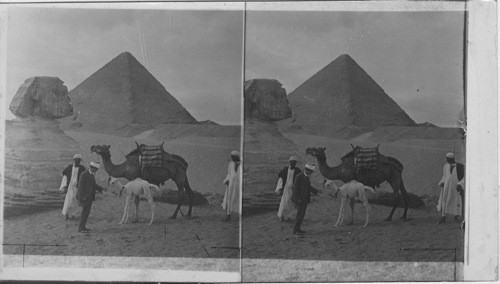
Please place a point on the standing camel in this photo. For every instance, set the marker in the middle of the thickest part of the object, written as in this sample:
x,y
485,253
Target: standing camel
x,y
131,169
389,170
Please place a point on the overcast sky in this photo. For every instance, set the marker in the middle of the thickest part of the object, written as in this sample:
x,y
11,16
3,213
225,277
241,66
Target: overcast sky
x,y
196,55
416,57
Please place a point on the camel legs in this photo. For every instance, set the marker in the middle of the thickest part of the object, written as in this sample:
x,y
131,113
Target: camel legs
x,y
396,201
362,197
180,189
181,186
136,203
341,213
190,196
152,206
396,187
406,199
350,221
127,208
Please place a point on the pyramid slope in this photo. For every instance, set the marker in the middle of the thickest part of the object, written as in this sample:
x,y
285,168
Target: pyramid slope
x,y
124,92
343,94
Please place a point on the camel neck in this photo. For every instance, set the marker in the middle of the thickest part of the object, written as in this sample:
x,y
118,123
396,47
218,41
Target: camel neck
x,y
110,168
331,173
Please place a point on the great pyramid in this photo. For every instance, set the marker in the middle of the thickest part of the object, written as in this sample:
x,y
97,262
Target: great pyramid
x,y
123,92
342,94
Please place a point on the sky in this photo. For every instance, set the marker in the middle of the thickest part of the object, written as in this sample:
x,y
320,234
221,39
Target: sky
x,y
195,55
416,57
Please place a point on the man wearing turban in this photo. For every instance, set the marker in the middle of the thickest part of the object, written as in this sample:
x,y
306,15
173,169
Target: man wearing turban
x,y
450,201
69,184
285,183
231,202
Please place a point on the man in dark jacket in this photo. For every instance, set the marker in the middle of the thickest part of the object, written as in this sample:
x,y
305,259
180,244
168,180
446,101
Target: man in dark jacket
x,y
285,178
283,174
301,195
86,193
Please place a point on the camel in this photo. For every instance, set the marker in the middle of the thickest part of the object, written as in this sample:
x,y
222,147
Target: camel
x,y
131,169
134,188
349,192
390,170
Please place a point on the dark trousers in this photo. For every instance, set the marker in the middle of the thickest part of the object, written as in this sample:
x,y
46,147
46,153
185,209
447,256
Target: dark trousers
x,y
85,214
301,212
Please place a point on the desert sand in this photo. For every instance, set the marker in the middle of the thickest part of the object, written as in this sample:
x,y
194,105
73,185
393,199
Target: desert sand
x,y
328,253
202,237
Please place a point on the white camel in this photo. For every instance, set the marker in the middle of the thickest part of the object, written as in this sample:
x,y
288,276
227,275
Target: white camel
x,y
134,188
351,191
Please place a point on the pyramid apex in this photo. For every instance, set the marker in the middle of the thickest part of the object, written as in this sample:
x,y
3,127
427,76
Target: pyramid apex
x,y
127,55
345,56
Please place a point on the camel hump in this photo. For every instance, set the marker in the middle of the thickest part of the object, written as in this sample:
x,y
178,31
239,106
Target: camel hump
x,y
177,159
392,161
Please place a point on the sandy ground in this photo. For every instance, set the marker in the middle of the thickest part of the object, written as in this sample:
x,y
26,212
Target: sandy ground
x,y
351,253
415,250
265,237
201,237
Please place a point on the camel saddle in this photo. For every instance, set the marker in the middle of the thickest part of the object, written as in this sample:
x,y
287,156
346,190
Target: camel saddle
x,y
366,158
151,156
157,157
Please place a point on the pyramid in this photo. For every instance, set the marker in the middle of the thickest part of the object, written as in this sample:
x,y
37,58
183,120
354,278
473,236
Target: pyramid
x,y
123,92
342,94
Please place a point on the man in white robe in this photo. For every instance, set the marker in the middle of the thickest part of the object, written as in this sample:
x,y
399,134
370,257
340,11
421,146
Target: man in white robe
x,y
231,202
450,201
285,185
69,184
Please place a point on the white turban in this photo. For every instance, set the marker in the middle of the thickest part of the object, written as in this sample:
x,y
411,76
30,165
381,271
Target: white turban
x,y
95,165
310,166
293,158
77,156
450,155
235,153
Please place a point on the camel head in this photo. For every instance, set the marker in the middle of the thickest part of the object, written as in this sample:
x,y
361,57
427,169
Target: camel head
x,y
317,152
113,181
101,150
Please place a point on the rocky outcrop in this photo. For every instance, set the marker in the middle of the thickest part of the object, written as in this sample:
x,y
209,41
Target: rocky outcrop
x,y
36,149
266,152
36,152
266,100
45,97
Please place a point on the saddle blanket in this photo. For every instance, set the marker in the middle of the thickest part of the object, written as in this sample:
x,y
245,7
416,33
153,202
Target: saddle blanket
x,y
366,158
151,156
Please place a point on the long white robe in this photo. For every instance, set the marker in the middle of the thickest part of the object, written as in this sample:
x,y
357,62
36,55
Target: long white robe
x,y
70,206
231,202
449,199
287,210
